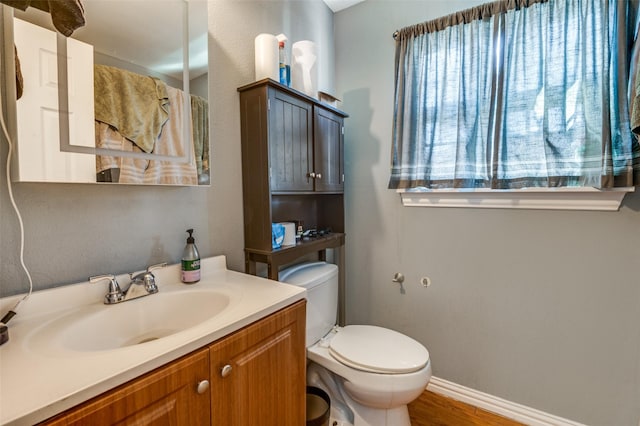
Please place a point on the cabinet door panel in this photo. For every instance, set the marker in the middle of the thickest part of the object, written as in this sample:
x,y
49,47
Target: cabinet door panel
x,y
328,151
167,396
290,143
258,373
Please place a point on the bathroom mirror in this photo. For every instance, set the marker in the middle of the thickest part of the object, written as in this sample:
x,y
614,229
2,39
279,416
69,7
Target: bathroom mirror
x,y
162,43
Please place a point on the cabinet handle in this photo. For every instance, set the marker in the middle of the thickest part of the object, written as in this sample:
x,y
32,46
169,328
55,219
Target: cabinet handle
x,y
311,175
203,385
318,175
226,370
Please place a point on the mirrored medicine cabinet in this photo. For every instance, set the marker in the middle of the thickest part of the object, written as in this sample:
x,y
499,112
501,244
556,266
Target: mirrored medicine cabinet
x,y
128,105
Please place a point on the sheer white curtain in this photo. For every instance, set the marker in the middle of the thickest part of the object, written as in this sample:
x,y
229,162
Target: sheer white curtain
x,y
513,94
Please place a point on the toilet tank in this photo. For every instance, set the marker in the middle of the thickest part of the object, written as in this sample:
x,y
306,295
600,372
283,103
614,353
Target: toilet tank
x,y
320,279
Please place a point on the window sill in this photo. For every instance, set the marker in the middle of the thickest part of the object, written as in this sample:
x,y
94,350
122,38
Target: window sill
x,y
534,198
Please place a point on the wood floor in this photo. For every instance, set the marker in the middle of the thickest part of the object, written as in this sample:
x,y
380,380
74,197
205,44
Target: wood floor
x,y
431,409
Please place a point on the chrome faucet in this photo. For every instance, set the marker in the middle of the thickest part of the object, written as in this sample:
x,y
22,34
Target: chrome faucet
x,y
142,284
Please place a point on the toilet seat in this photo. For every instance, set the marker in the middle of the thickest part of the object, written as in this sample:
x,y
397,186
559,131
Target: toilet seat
x,y
377,350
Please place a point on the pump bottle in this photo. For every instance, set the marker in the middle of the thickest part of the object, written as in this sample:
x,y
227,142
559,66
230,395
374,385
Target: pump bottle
x,y
190,261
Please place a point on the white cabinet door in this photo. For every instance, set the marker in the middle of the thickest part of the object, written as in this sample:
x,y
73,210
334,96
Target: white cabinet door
x,y
38,144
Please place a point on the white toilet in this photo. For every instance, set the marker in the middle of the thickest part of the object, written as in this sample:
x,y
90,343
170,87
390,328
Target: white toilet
x,y
370,373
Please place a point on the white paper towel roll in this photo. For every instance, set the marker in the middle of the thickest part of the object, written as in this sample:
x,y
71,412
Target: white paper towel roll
x,y
304,67
289,233
266,57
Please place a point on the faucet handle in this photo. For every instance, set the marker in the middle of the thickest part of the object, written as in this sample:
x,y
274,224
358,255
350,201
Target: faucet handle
x,y
147,278
115,294
150,279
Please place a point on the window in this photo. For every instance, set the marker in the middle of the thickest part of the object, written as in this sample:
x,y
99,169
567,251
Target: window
x,y
513,95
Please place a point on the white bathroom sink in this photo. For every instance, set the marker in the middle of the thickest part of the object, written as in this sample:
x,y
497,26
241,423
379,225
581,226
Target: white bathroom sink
x,y
107,327
67,346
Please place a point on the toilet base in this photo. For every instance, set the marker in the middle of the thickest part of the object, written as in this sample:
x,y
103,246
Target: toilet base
x,y
389,421
398,416
347,412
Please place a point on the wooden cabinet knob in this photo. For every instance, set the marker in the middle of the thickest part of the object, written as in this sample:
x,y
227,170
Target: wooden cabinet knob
x,y
226,370
203,385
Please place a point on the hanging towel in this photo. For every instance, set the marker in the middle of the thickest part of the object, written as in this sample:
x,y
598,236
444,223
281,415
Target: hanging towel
x,y
171,142
200,118
66,15
129,169
136,105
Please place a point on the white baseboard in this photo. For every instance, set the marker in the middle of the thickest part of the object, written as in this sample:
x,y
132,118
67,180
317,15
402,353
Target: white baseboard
x,y
508,409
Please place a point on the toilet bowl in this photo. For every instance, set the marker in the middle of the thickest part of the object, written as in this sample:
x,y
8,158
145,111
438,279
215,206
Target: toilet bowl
x,y
370,373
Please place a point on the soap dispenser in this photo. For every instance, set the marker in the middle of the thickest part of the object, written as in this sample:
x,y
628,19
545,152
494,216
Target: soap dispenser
x,y
190,261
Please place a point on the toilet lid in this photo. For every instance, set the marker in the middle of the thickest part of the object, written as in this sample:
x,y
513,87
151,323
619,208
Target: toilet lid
x,y
378,350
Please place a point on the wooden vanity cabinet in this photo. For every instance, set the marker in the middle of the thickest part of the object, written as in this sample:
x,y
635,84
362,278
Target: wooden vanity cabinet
x,y
258,373
265,384
166,396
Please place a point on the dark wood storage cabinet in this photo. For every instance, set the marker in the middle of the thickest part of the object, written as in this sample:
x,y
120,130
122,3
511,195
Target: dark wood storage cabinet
x,y
292,170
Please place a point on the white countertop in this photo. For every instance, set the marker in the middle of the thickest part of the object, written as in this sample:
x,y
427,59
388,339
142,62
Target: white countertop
x,y
37,383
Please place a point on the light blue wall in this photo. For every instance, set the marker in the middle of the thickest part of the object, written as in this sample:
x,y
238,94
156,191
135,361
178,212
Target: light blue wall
x,y
538,307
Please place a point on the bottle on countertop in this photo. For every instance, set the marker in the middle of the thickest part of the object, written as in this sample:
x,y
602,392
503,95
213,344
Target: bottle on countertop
x,y
190,261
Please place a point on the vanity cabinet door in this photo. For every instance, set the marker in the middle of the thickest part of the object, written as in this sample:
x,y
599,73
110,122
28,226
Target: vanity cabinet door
x,y
258,373
170,395
328,150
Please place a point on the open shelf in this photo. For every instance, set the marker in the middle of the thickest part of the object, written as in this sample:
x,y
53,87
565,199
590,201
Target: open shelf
x,y
287,254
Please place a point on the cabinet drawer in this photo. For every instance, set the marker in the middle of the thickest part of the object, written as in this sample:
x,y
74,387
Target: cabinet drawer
x,y
166,396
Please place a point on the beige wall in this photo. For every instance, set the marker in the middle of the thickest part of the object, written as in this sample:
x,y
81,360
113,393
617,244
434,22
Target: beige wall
x,y
538,307
73,231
